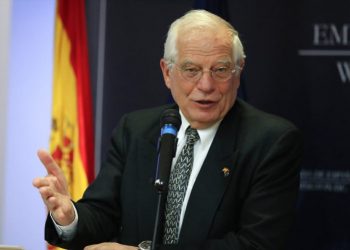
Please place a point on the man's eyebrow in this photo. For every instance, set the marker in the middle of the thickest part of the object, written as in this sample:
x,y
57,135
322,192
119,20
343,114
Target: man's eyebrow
x,y
187,61
225,61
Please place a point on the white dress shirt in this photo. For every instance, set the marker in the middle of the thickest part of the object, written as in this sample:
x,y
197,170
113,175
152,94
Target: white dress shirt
x,y
200,151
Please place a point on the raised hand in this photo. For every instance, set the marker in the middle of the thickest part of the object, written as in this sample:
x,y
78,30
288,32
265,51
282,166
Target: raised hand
x,y
53,189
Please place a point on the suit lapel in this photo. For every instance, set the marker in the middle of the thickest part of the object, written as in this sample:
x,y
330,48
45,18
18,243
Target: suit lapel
x,y
212,181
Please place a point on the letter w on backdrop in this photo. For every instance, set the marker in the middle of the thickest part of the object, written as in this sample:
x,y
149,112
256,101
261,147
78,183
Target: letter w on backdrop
x,y
71,142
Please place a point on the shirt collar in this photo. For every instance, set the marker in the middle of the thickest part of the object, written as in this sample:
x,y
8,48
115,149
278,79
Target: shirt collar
x,y
204,134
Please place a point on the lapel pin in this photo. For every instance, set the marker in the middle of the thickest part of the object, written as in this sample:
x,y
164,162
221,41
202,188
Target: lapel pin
x,y
226,171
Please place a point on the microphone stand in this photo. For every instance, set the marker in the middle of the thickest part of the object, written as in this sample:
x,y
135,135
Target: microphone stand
x,y
159,222
166,154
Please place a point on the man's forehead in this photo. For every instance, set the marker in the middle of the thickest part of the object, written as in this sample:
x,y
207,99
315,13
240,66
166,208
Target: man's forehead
x,y
222,54
202,44
204,37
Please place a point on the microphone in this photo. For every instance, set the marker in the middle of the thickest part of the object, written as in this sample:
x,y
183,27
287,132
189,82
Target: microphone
x,y
170,123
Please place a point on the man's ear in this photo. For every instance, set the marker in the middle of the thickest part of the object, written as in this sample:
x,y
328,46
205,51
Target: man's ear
x,y
239,68
241,65
166,72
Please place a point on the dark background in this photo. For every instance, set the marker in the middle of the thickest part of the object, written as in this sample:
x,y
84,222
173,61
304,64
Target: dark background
x,y
304,89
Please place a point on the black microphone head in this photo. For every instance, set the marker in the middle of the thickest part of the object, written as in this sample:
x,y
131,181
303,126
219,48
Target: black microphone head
x,y
171,116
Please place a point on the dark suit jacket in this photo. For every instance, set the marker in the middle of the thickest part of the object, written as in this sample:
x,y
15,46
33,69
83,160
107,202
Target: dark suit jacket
x,y
250,208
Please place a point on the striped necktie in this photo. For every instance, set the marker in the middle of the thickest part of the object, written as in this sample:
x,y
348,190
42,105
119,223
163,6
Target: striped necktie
x,y
177,188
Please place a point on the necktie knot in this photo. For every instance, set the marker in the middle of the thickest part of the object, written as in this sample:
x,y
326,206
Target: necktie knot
x,y
192,135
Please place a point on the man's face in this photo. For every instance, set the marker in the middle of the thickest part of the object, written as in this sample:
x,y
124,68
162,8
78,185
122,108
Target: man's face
x,y
205,101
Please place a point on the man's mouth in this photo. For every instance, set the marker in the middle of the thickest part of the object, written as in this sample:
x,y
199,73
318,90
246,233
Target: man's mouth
x,y
205,102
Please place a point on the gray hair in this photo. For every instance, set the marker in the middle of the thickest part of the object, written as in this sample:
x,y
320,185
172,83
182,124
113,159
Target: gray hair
x,y
200,19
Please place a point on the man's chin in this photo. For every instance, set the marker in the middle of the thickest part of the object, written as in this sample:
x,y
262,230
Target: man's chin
x,y
203,121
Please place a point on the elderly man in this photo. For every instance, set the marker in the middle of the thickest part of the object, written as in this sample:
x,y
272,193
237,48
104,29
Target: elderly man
x,y
242,181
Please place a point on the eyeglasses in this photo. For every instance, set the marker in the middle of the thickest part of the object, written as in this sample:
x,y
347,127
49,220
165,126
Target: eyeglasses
x,y
194,73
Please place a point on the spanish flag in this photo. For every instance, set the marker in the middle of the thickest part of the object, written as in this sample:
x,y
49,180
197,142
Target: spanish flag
x,y
71,142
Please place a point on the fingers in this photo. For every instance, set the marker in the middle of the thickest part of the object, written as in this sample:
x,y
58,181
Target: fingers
x,y
49,163
53,170
49,198
49,186
52,200
53,189
48,181
58,204
45,181
47,190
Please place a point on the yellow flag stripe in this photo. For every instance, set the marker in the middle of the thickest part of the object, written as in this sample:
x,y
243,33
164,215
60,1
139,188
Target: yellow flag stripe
x,y
65,132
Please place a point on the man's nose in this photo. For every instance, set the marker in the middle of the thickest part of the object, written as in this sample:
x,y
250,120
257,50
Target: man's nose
x,y
206,83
